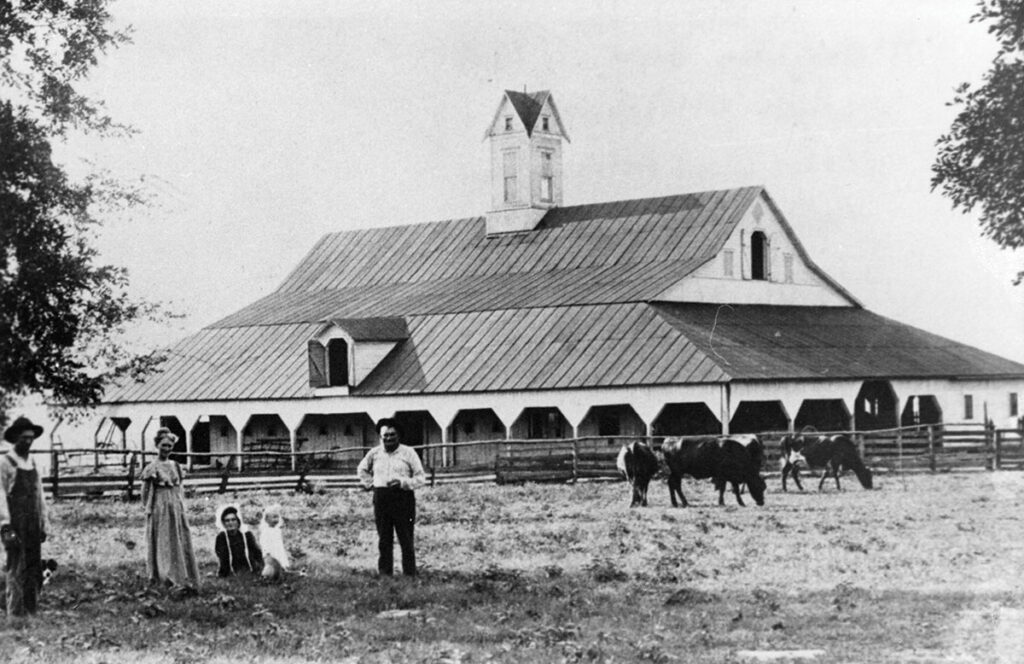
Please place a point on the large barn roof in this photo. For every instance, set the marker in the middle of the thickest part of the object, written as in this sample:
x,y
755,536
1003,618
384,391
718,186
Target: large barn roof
x,y
571,304
626,251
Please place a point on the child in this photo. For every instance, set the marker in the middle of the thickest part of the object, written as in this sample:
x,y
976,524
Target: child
x,y
236,547
275,557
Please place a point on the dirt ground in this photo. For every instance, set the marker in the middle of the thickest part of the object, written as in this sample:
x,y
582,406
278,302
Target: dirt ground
x,y
924,568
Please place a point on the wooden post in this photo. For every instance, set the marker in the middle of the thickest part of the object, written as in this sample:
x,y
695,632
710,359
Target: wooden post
x,y
55,474
990,460
998,440
575,460
433,477
130,493
931,448
899,449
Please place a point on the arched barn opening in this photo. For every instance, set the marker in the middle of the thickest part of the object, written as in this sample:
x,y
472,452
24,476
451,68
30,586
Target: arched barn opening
x,y
201,441
686,419
875,407
417,428
921,410
319,432
267,434
223,441
122,424
541,423
759,416
823,415
476,425
619,420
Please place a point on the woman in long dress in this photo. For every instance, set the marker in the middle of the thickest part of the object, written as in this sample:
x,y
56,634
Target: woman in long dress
x,y
171,560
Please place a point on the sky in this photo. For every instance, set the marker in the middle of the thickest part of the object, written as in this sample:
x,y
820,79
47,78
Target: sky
x,y
263,125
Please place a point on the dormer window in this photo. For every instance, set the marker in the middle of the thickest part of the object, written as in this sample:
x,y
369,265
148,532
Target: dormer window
x,y
347,350
337,362
544,124
508,123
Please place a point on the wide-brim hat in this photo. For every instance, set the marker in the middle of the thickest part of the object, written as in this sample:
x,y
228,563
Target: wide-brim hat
x,y
19,425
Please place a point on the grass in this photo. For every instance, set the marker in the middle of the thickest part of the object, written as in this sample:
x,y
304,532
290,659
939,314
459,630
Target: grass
x,y
923,569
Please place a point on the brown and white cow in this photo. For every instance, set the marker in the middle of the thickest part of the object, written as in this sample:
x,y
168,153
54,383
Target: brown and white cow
x,y
833,453
638,464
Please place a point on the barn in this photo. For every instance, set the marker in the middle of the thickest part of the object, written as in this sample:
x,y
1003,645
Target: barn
x,y
688,314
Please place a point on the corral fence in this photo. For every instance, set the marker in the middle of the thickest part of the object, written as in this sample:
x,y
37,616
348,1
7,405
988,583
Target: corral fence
x,y
94,472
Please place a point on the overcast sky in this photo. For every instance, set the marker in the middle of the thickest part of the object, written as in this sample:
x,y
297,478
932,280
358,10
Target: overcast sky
x,y
264,125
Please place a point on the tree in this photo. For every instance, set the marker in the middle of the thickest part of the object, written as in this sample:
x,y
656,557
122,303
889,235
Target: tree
x,y
62,312
980,162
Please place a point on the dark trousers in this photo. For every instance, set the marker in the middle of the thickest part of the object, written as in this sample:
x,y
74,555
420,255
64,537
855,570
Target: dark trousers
x,y
24,578
394,511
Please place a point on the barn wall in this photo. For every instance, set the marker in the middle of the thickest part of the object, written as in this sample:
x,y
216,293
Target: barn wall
x,y
993,394
647,402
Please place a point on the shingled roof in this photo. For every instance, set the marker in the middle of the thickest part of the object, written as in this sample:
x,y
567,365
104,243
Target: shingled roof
x,y
570,304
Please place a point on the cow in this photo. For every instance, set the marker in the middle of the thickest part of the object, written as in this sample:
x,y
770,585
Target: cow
x,y
726,459
833,453
638,464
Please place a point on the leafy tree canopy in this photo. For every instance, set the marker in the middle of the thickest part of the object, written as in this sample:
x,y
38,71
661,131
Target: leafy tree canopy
x,y
980,162
62,312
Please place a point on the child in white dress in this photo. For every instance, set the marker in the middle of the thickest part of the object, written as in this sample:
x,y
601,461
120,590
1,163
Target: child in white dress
x,y
275,556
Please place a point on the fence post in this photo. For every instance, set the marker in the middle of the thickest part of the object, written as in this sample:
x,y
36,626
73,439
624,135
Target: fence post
x,y
130,494
860,445
931,448
575,460
989,448
55,474
899,449
998,439
432,476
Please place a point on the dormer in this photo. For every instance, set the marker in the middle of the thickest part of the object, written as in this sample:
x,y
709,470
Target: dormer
x,y
760,262
346,350
526,161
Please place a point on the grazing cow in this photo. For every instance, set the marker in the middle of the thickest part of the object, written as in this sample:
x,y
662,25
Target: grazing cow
x,y
833,453
736,460
638,464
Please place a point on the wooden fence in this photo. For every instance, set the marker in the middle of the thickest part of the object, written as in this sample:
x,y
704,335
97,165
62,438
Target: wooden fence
x,y
98,472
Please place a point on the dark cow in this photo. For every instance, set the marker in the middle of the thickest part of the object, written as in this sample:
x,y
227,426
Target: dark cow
x,y
833,453
727,459
638,464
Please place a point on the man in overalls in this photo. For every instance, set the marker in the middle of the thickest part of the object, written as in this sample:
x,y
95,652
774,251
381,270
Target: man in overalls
x,y
22,518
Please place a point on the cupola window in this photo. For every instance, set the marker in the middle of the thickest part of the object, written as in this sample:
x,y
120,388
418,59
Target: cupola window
x,y
547,178
511,180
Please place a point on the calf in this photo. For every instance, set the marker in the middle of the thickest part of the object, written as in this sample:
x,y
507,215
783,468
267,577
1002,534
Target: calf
x,y
638,464
735,460
833,453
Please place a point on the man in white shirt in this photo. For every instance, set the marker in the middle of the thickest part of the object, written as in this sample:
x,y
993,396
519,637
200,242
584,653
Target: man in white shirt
x,y
393,471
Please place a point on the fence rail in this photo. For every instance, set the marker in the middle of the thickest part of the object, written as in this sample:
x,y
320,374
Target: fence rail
x,y
94,472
